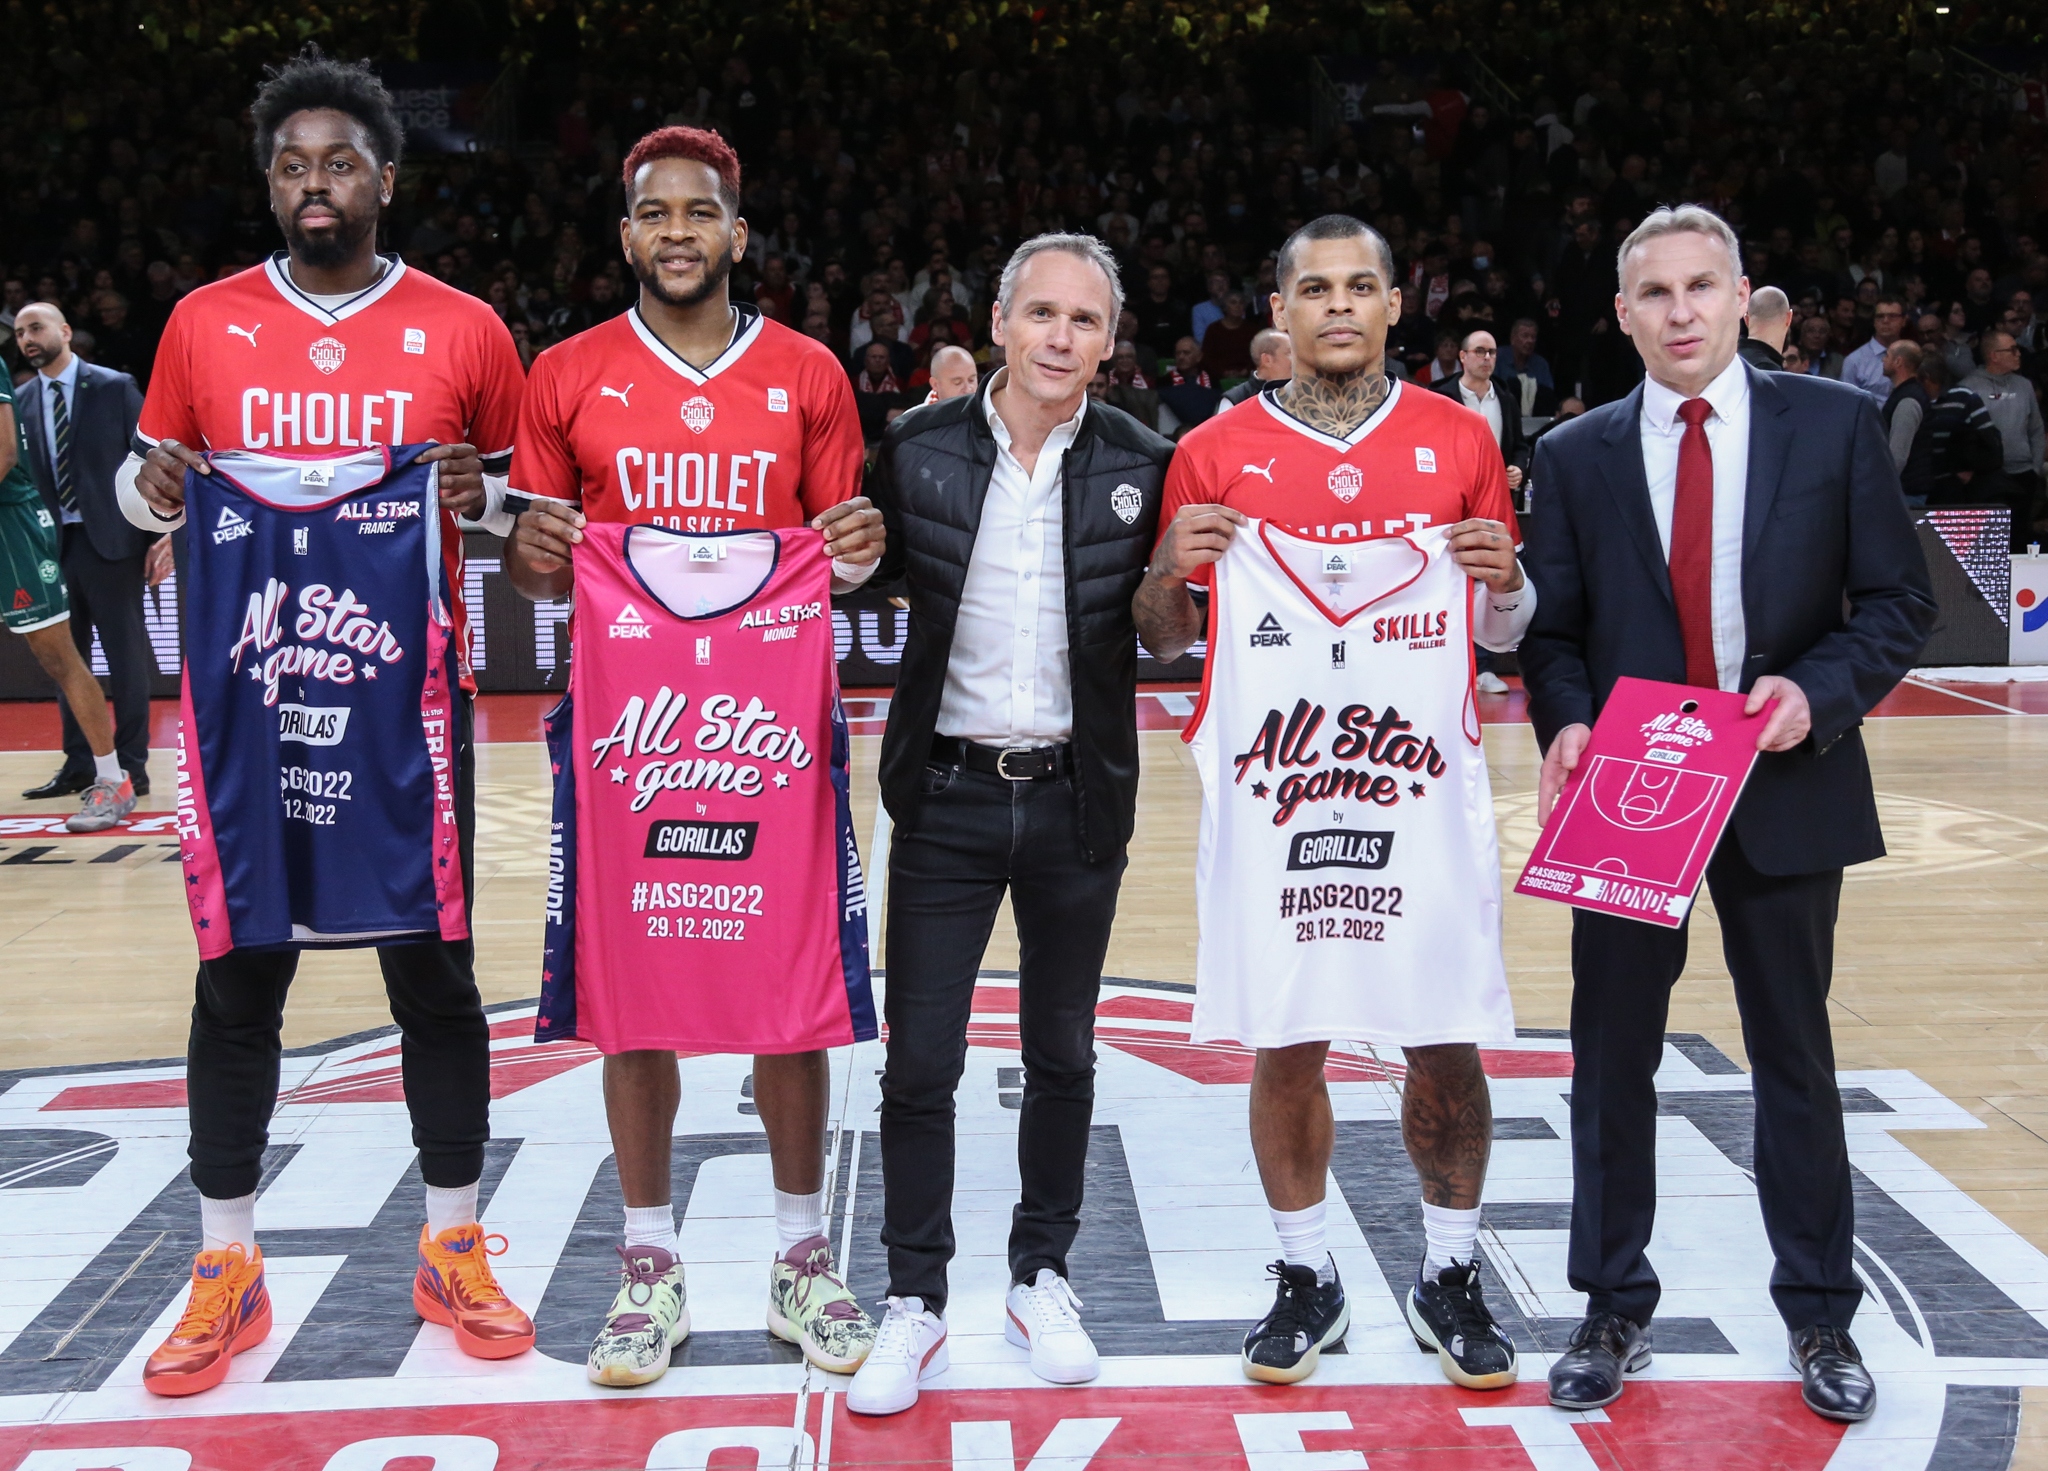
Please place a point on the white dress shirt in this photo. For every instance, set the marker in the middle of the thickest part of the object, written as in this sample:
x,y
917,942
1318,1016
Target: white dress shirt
x,y
1008,682
1728,441
1488,408
65,383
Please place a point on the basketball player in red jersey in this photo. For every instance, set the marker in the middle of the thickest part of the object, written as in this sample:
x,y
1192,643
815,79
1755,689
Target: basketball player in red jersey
x,y
328,348
693,412
1341,451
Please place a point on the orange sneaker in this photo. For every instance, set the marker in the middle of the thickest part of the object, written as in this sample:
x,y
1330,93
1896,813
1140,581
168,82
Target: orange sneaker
x,y
455,1288
229,1310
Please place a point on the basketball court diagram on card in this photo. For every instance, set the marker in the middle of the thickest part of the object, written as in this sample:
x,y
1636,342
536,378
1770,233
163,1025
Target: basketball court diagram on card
x,y
1652,820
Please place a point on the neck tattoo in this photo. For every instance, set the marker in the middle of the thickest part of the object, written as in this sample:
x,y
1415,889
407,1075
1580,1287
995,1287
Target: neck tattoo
x,y
1339,404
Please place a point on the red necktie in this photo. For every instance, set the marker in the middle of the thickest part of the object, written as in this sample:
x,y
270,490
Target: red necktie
x,y
1692,545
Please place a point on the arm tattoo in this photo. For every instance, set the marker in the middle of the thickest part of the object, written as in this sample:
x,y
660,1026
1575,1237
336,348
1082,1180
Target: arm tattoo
x,y
1336,405
1167,618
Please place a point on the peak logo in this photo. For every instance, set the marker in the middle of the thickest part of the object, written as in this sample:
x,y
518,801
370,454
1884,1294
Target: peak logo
x,y
1270,635
629,624
230,527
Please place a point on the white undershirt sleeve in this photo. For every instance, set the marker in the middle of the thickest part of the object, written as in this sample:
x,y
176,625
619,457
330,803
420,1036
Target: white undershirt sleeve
x,y
1500,619
493,518
138,511
847,576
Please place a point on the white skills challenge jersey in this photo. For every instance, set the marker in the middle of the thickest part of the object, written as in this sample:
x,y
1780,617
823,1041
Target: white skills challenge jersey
x,y
1348,882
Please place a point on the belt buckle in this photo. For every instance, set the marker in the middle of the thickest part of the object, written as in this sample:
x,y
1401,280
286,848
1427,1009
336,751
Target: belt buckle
x,y
1003,762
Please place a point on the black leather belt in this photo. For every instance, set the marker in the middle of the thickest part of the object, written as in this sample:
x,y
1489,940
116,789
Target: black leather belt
x,y
1013,763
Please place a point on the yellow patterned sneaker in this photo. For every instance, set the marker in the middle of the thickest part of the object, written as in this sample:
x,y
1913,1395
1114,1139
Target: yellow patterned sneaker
x,y
649,1317
810,1307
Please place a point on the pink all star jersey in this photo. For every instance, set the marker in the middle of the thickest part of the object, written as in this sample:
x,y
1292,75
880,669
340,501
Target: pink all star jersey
x,y
705,892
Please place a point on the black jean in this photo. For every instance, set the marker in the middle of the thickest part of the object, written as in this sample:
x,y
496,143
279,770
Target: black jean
x,y
108,596
231,1063
976,836
1778,937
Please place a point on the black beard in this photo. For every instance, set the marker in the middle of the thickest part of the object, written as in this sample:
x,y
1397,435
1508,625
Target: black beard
x,y
333,248
716,270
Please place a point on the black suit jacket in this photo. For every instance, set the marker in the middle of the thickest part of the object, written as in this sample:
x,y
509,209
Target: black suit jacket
x,y
1513,447
1835,597
104,408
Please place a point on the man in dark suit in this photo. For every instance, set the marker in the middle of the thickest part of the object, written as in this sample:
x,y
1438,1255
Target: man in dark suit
x,y
80,420
1475,387
1681,539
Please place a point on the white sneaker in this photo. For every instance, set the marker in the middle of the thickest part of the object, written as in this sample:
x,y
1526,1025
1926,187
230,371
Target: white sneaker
x,y
910,1347
1041,1315
1489,683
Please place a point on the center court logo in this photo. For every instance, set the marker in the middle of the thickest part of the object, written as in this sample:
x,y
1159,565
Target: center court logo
x,y
1345,482
1270,635
629,624
697,414
328,354
230,526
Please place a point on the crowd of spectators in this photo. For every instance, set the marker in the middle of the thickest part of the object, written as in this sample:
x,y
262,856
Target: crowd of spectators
x,y
895,150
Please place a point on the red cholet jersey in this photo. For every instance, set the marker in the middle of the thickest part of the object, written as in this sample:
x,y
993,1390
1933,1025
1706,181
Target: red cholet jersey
x,y
764,436
253,363
1418,461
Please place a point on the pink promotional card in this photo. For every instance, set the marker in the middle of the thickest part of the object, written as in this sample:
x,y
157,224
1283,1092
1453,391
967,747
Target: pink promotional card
x,y
1637,821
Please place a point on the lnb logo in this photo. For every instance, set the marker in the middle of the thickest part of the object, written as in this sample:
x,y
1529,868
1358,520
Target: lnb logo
x,y
2033,609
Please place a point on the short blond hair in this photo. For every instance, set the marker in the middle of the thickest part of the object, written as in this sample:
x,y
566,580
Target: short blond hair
x,y
1684,219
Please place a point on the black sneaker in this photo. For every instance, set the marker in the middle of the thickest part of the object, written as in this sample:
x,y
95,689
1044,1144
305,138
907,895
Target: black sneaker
x,y
1307,1317
1449,1316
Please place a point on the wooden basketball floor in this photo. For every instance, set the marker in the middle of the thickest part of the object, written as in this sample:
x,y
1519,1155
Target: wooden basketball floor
x,y
1941,1029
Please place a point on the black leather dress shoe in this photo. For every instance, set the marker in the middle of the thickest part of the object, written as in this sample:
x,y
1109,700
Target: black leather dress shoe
x,y
141,781
1588,1373
66,783
1832,1379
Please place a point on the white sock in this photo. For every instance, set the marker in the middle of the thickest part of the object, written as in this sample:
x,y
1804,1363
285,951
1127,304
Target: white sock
x,y
798,1217
652,1225
1301,1238
108,768
1453,1236
222,1223
451,1206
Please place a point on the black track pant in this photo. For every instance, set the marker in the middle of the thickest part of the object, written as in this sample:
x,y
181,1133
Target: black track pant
x,y
232,1061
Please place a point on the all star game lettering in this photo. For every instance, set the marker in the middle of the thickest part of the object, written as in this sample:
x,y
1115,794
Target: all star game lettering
x,y
725,729
1287,744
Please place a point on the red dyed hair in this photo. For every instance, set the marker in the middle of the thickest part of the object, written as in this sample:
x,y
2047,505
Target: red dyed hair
x,y
701,145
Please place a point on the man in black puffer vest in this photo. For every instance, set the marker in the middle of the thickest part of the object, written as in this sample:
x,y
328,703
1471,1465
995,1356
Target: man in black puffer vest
x,y
1021,520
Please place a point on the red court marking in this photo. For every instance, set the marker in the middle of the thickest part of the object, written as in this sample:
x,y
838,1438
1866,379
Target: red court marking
x,y
33,725
1151,1008
1656,1426
1505,1063
512,1070
2029,697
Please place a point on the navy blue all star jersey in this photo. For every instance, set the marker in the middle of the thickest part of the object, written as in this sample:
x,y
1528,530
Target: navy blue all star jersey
x,y
316,757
